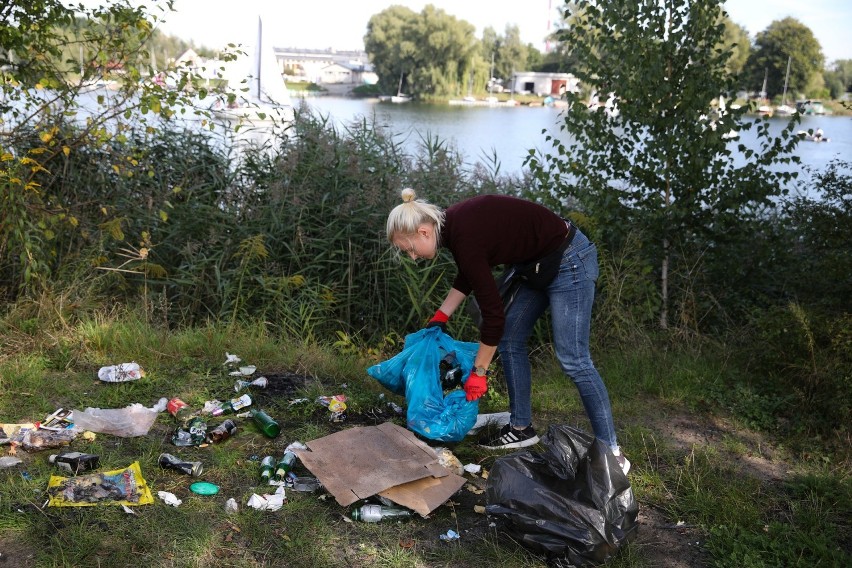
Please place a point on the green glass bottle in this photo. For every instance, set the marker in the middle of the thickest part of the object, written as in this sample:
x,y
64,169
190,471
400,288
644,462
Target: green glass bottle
x,y
285,465
233,405
267,467
265,422
376,513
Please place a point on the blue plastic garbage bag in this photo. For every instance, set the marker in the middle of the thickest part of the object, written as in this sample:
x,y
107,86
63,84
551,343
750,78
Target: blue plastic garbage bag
x,y
415,373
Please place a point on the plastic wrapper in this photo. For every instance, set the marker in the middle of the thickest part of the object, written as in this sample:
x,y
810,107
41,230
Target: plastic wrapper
x,y
121,373
117,487
128,422
415,373
35,440
573,502
14,433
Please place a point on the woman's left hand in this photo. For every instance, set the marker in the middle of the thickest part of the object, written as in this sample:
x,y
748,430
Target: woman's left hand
x,y
475,386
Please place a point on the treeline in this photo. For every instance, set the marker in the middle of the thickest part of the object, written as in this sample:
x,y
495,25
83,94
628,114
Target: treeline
x,y
433,53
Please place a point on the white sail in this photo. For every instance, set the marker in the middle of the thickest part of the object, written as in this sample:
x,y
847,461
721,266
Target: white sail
x,y
267,85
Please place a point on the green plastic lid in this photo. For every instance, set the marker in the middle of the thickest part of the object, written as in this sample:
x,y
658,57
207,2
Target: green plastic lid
x,y
204,488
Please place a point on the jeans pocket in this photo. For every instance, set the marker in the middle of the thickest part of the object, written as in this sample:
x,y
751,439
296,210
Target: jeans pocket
x,y
588,259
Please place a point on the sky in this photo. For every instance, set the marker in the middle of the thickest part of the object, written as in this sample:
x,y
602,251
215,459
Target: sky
x,y
341,24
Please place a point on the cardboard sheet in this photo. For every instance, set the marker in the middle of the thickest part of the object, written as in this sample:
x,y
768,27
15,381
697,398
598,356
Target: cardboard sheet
x,y
363,461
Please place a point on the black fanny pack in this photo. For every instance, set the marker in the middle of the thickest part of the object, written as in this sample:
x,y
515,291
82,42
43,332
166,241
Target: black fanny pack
x,y
538,274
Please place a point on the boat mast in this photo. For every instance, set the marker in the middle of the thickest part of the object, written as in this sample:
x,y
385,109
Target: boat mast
x,y
259,51
491,77
786,78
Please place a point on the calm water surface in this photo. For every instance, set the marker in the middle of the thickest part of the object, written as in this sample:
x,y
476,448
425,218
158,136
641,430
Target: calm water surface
x,y
511,132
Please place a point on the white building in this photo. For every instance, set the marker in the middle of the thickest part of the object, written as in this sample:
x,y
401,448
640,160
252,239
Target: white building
x,y
544,84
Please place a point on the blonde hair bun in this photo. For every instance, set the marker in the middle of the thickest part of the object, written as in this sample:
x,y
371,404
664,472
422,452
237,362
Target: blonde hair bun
x,y
408,195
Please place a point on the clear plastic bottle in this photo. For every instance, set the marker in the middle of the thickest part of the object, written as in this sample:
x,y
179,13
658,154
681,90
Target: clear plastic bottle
x,y
376,513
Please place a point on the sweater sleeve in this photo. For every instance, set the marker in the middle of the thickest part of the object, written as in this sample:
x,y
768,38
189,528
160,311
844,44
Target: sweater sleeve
x,y
475,275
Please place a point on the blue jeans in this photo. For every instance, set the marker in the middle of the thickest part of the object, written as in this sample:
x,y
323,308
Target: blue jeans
x,y
570,298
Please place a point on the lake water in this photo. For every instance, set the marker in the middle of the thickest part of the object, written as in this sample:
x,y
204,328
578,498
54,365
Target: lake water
x,y
510,132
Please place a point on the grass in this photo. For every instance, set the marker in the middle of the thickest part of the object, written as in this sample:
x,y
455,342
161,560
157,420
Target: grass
x,y
693,461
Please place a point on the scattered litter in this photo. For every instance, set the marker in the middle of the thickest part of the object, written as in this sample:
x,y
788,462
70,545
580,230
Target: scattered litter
x,y
296,401
472,468
57,421
128,422
128,510
14,433
397,409
75,462
7,461
450,535
479,509
268,502
117,487
168,461
336,405
231,506
231,359
204,488
375,513
260,382
194,434
295,446
121,373
447,459
169,498
244,371
34,440
306,484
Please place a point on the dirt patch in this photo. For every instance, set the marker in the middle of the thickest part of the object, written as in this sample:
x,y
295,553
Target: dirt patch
x,y
15,554
750,452
668,545
282,385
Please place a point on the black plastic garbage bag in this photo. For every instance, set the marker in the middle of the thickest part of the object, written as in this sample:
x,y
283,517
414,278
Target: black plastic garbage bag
x,y
572,502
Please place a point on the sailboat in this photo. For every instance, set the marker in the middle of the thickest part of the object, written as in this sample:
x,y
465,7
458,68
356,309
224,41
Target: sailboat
x,y
785,109
765,109
267,100
399,97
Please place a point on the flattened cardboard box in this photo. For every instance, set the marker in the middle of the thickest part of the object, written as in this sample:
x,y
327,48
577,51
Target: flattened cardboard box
x,y
388,460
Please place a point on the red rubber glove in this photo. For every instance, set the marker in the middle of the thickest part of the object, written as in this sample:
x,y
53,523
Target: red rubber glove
x,y
440,319
475,386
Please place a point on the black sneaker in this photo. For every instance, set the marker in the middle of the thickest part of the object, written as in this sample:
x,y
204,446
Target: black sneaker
x,y
508,438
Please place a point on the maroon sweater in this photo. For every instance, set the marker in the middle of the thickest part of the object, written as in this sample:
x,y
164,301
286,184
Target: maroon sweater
x,y
490,230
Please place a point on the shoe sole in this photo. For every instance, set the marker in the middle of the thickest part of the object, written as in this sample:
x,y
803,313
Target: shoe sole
x,y
513,445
